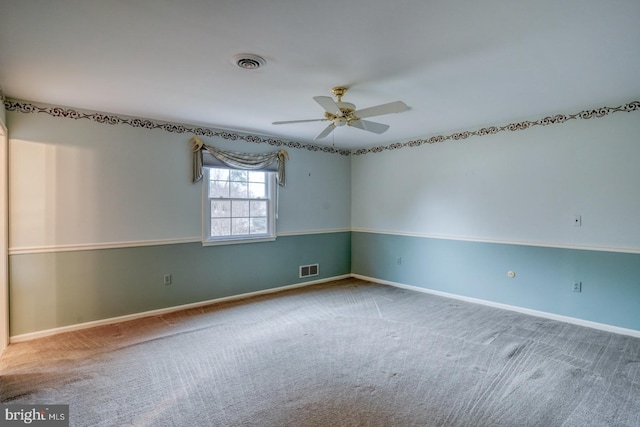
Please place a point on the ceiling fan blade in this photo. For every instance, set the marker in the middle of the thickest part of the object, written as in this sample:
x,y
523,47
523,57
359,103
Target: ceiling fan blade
x,y
298,121
326,131
369,126
328,104
378,110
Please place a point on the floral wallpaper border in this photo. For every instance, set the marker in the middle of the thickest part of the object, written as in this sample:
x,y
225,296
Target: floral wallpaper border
x,y
28,107
549,120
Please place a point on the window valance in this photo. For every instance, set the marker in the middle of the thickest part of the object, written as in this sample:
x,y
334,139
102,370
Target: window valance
x,y
246,161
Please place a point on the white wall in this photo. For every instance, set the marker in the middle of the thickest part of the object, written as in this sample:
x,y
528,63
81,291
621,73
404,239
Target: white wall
x,y
78,182
78,187
520,187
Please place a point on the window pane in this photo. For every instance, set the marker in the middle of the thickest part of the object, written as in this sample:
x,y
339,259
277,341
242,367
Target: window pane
x,y
239,226
258,208
257,190
238,190
218,189
239,208
218,174
220,227
256,176
240,204
236,175
258,226
220,209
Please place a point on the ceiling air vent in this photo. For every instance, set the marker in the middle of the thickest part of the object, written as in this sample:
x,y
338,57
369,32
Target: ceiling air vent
x,y
249,61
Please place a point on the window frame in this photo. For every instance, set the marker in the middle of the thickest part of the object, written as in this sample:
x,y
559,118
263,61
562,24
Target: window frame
x,y
271,199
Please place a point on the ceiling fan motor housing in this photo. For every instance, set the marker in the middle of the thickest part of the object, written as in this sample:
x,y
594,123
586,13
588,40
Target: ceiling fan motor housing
x,y
346,106
347,116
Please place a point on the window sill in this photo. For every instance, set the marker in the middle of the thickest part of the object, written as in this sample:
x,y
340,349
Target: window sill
x,y
235,241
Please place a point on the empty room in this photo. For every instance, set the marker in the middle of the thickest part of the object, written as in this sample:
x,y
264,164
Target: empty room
x,y
365,213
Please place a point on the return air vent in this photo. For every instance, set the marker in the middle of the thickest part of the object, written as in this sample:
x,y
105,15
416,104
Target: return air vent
x,y
309,270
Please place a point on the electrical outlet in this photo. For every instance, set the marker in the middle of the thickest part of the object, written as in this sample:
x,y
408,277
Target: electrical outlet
x,y
167,279
577,286
399,260
577,220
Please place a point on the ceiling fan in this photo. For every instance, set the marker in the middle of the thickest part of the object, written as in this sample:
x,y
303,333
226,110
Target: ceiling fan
x,y
344,113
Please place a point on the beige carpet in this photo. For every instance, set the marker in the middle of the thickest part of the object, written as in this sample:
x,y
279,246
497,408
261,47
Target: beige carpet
x,y
347,353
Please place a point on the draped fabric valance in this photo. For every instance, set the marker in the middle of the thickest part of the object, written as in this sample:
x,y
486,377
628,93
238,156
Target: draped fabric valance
x,y
235,160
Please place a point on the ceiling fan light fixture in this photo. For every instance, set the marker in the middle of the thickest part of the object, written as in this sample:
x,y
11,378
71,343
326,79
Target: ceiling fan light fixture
x,y
249,61
339,121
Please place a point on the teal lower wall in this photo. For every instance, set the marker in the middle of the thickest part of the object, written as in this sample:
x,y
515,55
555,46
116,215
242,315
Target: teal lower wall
x,y
56,289
50,290
544,276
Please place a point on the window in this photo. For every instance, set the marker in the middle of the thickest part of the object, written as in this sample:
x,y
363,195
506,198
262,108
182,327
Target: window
x,y
239,206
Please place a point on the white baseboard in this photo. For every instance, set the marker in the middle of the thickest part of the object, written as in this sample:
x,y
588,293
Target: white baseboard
x,y
161,311
544,314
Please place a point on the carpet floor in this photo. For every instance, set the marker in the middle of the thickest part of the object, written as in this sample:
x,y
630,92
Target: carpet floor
x,y
346,353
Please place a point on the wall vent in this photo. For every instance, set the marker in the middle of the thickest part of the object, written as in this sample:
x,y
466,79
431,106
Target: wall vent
x,y
309,270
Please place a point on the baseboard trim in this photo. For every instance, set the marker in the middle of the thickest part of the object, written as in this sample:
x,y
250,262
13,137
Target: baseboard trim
x,y
79,326
537,313
580,322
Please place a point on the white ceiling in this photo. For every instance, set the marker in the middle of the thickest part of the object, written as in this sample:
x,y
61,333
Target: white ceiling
x,y
459,64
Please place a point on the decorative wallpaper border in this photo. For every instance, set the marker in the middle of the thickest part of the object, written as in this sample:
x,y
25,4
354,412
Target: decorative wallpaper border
x,y
112,119
549,120
28,107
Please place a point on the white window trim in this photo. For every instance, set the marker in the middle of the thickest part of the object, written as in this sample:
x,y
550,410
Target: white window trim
x,y
207,240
